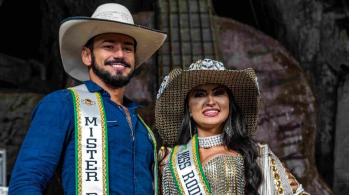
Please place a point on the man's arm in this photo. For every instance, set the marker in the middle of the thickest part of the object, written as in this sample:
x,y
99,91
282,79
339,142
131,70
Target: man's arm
x,y
50,130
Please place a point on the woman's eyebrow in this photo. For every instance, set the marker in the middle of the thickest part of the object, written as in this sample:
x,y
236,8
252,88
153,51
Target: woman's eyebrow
x,y
218,88
201,90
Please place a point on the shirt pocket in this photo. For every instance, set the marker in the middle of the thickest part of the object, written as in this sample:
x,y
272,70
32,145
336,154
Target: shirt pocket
x,y
112,123
113,139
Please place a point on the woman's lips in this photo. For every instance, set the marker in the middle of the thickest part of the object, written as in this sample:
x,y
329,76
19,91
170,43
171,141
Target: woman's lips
x,y
210,112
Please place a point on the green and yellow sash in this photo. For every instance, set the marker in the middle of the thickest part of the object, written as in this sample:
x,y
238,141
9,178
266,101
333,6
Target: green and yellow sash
x,y
187,171
91,143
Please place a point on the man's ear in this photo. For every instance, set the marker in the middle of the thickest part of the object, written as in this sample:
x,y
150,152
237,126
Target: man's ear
x,y
86,56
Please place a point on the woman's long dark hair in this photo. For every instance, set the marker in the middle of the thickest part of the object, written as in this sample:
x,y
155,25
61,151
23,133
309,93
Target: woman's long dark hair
x,y
239,142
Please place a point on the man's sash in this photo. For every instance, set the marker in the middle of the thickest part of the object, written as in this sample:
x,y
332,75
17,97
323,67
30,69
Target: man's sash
x,y
155,165
187,171
91,143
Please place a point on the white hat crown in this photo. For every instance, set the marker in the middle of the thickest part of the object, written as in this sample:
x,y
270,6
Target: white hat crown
x,y
114,12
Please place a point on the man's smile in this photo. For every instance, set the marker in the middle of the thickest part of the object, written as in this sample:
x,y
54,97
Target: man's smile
x,y
118,64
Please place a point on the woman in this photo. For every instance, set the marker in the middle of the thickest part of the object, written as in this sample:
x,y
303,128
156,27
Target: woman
x,y
208,114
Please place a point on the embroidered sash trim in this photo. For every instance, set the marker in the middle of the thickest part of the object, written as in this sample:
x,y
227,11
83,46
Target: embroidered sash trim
x,y
155,168
91,142
187,171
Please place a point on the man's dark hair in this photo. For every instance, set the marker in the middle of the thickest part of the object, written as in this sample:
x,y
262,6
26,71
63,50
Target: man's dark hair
x,y
89,44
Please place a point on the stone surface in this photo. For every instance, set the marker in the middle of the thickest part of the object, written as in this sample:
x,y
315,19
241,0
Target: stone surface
x,y
25,75
15,112
316,33
334,39
341,170
288,109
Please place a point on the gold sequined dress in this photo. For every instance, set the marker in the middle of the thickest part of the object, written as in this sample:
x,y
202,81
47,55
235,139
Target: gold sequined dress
x,y
224,173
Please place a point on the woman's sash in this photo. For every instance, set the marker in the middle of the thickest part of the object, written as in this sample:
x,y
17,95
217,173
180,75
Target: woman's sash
x,y
187,171
91,143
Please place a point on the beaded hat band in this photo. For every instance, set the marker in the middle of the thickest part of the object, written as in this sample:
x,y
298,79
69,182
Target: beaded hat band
x,y
169,106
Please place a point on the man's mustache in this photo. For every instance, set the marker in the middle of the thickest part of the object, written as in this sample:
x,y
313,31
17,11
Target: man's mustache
x,y
118,61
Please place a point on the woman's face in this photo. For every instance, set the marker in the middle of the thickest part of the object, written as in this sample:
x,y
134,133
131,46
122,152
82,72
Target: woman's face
x,y
209,106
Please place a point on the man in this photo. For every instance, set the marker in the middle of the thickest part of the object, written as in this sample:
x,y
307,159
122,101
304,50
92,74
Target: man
x,y
92,132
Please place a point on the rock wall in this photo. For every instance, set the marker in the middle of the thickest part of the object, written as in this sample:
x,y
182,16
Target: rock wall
x,y
288,108
15,112
316,33
341,153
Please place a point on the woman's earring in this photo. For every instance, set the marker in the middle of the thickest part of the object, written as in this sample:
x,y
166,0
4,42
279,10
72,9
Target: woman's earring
x,y
191,134
227,128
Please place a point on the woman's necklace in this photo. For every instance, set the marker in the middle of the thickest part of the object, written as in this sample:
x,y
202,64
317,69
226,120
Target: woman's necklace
x,y
208,142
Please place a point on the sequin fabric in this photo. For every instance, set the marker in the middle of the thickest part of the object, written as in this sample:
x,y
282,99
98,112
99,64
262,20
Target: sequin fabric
x,y
224,173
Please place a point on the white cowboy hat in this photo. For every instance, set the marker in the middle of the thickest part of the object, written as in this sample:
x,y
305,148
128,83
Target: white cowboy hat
x,y
74,32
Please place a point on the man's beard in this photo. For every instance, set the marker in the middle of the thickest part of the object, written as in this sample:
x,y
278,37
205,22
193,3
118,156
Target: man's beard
x,y
118,80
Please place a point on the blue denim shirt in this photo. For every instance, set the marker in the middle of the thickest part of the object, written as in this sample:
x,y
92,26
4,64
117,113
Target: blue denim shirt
x,y
50,143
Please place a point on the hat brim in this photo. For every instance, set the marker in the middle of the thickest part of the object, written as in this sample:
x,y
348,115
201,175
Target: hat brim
x,y
76,31
169,106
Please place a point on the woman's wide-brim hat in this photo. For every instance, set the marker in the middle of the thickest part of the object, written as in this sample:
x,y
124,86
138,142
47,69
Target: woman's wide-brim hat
x,y
74,32
169,108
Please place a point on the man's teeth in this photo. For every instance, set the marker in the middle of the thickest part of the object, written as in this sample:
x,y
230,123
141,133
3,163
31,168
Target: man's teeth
x,y
211,111
118,66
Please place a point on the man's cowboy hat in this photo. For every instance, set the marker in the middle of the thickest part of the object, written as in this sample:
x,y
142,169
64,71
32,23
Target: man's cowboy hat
x,y
169,106
108,18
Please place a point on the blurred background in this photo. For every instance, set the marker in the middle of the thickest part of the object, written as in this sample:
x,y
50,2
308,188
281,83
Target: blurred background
x,y
298,48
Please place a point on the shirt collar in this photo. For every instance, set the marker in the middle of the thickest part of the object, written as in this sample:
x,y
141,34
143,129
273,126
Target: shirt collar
x,y
93,87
